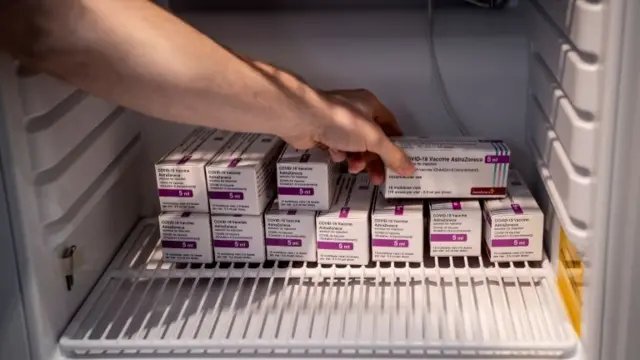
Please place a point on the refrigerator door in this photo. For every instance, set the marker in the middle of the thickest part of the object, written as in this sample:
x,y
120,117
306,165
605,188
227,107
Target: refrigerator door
x,y
621,293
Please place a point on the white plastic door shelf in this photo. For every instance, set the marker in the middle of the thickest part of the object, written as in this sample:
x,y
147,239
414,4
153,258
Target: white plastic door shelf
x,y
583,21
447,307
579,79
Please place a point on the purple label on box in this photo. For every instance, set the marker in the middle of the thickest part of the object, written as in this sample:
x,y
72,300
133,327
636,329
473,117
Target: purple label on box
x,y
497,159
390,243
230,244
175,193
449,237
455,205
295,191
509,242
167,244
516,208
328,245
283,242
344,212
399,210
226,195
184,160
233,163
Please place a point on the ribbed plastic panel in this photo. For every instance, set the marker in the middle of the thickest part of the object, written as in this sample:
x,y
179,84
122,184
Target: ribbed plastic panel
x,y
577,133
447,306
563,112
74,184
41,93
581,20
53,135
575,73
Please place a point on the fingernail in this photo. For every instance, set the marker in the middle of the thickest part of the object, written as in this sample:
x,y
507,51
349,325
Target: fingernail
x,y
337,156
353,170
356,168
376,179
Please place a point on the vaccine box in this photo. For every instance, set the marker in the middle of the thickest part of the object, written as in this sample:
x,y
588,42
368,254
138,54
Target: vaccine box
x,y
455,228
514,226
238,238
343,230
186,237
182,183
241,177
397,229
290,235
306,179
451,168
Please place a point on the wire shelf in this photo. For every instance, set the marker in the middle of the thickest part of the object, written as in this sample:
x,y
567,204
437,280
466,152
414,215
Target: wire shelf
x,y
460,307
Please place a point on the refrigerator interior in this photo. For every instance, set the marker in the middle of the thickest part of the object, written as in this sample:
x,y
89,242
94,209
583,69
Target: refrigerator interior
x,y
81,172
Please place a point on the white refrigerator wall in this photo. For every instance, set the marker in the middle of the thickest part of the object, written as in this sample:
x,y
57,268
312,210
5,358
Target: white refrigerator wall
x,y
69,164
81,170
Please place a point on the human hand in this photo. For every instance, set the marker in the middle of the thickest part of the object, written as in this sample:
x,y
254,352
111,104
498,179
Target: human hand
x,y
375,111
354,125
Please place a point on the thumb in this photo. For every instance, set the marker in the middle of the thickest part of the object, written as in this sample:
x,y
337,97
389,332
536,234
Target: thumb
x,y
392,156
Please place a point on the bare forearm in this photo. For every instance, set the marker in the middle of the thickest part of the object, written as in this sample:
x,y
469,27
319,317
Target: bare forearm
x,y
136,54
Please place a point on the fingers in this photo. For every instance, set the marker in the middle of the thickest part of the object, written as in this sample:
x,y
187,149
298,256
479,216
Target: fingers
x,y
300,143
375,168
387,121
372,108
356,162
392,156
369,125
337,155
385,118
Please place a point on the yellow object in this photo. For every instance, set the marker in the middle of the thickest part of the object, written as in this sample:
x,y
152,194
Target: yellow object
x,y
570,279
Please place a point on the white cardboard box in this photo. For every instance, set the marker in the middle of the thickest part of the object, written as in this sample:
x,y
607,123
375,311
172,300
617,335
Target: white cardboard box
x,y
241,178
343,230
455,228
397,229
290,235
451,168
238,238
306,179
186,237
514,226
180,175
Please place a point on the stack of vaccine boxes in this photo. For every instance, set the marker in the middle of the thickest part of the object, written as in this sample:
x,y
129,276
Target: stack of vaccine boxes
x,y
453,175
320,215
343,230
397,229
213,190
514,225
242,197
306,184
